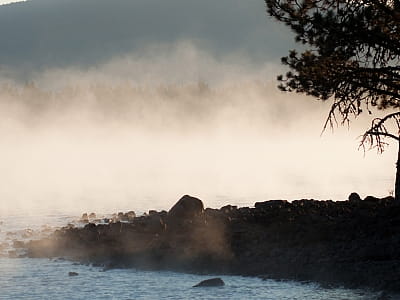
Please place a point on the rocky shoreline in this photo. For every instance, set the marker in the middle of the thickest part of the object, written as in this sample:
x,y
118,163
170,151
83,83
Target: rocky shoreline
x,y
353,243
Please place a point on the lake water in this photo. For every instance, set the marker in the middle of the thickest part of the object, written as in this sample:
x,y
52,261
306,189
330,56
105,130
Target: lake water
x,y
25,278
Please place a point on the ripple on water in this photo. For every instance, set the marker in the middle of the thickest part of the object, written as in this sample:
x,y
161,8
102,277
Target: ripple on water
x,y
48,279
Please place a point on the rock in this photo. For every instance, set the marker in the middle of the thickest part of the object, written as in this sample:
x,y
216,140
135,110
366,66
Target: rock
x,y
84,218
186,208
123,217
73,274
271,204
187,215
228,209
210,282
371,199
354,197
90,226
131,215
154,224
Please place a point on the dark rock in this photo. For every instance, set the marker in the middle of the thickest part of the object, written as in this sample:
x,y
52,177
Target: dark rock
x,y
210,282
186,208
354,197
90,226
73,274
271,204
154,224
227,209
388,199
371,199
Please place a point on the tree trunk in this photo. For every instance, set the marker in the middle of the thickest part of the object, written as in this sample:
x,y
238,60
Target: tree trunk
x,y
397,184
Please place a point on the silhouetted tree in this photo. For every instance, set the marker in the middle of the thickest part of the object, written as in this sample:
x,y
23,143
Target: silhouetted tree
x,y
350,56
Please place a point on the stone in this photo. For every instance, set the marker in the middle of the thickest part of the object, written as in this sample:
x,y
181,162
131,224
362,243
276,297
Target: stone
x,y
84,218
371,199
228,209
123,217
210,283
154,224
271,204
354,197
73,274
186,208
131,215
90,226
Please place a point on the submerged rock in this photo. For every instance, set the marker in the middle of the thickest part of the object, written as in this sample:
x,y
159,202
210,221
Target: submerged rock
x,y
210,282
73,274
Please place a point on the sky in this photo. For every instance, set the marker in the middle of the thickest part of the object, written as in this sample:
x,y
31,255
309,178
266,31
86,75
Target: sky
x,y
39,34
130,104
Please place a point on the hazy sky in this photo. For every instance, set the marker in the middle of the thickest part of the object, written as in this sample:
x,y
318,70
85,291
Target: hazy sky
x,y
58,33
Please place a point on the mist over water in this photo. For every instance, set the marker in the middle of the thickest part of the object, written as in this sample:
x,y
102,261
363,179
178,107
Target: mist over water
x,y
141,130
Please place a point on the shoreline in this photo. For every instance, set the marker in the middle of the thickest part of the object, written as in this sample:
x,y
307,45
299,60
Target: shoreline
x,y
354,243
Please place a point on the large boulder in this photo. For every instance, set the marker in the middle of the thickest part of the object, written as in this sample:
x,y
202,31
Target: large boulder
x,y
187,208
185,213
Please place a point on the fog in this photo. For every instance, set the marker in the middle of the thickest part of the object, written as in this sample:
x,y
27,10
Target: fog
x,y
143,129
